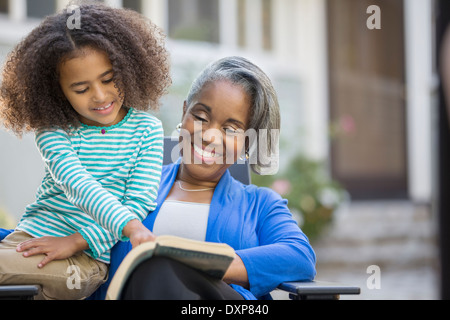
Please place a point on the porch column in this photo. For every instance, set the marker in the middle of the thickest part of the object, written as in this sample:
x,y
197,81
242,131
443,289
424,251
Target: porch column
x,y
17,9
61,4
253,24
420,88
114,3
158,12
310,48
228,10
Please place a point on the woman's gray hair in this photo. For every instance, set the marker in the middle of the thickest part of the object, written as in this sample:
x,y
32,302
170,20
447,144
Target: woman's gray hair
x,y
265,110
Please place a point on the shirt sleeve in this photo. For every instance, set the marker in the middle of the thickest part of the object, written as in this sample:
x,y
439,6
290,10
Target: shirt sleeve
x,y
79,186
141,190
143,183
284,253
99,240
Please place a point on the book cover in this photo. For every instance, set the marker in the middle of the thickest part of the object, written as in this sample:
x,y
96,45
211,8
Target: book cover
x,y
213,259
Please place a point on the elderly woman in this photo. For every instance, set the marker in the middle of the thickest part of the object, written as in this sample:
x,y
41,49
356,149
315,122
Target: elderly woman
x,y
199,199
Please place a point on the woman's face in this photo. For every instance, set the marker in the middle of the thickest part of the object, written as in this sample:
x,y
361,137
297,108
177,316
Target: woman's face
x,y
87,82
213,130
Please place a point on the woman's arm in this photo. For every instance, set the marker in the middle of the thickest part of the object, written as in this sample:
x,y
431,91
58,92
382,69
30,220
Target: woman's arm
x,y
237,273
283,254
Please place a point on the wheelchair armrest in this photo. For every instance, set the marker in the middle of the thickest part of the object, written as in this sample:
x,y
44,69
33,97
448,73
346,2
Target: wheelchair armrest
x,y
317,290
18,292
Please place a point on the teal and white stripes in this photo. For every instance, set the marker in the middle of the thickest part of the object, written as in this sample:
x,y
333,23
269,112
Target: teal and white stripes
x,y
96,183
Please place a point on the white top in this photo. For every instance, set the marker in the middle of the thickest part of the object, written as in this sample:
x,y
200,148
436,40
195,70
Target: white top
x,y
182,219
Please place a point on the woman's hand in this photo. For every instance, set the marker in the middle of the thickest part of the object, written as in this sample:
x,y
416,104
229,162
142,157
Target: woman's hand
x,y
54,248
137,233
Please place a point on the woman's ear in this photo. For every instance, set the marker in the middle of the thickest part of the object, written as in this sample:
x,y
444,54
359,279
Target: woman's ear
x,y
247,144
185,108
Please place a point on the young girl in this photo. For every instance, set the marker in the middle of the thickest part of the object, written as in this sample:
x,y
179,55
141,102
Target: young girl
x,y
84,92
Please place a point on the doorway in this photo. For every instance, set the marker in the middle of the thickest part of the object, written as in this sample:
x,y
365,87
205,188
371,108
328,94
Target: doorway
x,y
367,99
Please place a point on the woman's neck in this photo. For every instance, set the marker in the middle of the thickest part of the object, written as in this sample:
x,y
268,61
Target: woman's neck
x,y
188,181
188,188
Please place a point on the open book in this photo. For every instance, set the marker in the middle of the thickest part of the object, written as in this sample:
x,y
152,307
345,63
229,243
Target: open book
x,y
213,259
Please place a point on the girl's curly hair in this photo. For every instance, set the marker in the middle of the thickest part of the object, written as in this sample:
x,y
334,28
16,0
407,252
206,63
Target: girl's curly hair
x,y
30,93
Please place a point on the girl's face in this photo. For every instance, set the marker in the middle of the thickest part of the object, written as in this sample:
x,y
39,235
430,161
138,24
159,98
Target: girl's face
x,y
87,82
215,123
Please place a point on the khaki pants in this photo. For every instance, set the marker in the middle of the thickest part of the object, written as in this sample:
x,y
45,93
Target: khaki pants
x,y
75,278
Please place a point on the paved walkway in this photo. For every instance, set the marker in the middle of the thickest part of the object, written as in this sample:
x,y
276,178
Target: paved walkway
x,y
396,236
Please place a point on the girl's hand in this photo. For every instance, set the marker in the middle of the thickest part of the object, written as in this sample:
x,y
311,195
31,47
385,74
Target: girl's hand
x,y
137,233
54,248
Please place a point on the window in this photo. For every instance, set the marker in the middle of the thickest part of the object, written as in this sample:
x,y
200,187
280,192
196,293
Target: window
x,y
41,8
262,10
4,6
196,20
242,34
135,5
267,24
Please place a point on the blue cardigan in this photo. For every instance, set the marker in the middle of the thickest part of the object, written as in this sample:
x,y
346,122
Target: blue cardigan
x,y
256,222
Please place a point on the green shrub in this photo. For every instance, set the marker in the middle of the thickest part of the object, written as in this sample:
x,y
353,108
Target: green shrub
x,y
312,195
6,221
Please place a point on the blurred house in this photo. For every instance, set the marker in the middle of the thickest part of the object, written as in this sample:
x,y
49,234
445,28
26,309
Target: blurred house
x,y
362,99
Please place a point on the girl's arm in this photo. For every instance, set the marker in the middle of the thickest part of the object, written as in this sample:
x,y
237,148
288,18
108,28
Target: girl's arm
x,y
143,182
141,190
80,188
83,191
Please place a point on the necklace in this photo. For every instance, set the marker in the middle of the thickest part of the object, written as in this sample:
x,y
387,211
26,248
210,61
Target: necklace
x,y
190,190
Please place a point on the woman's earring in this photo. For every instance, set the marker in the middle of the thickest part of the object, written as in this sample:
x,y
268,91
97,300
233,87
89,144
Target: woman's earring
x,y
245,157
179,127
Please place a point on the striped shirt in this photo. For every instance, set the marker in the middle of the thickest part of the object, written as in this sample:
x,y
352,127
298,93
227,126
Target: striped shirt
x,y
96,181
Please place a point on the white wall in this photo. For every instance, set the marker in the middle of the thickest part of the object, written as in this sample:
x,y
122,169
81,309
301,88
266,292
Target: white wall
x,y
21,171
